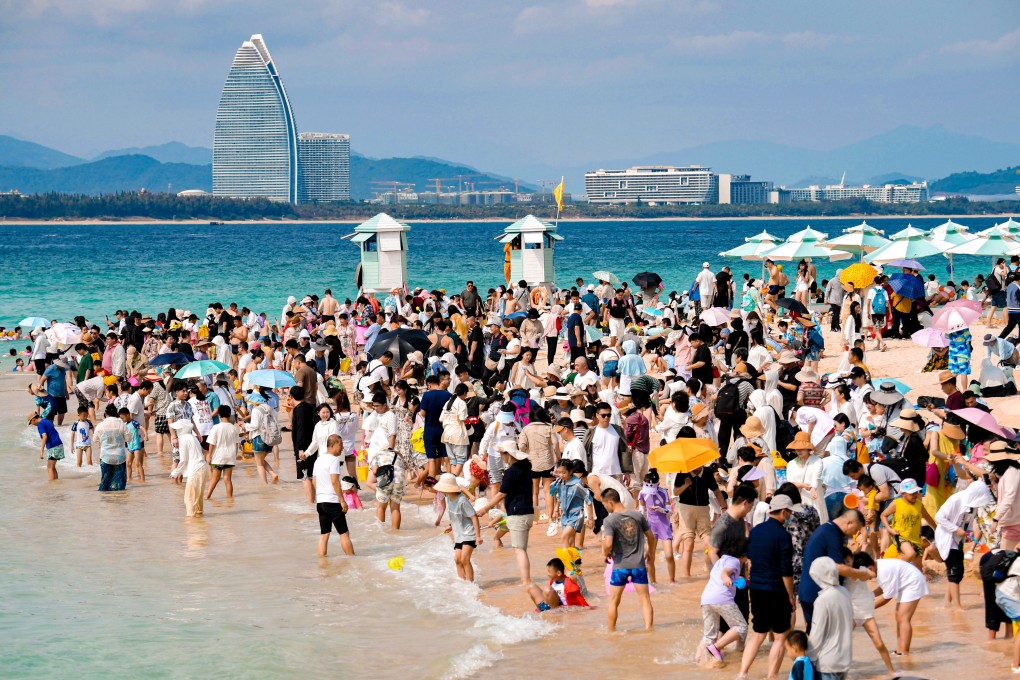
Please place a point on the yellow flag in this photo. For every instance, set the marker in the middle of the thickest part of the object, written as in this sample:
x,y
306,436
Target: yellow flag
x,y
558,195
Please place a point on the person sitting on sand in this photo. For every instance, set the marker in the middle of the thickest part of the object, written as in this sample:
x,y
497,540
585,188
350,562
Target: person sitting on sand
x,y
562,591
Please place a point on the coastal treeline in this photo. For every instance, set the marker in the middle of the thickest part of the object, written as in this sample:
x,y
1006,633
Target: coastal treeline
x,y
170,207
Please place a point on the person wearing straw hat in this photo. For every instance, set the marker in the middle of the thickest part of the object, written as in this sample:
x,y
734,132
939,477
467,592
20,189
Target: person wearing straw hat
x,y
894,402
1005,462
943,443
805,472
467,532
951,524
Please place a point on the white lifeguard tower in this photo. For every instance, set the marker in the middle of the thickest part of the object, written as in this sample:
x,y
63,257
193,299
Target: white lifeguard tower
x,y
531,244
383,244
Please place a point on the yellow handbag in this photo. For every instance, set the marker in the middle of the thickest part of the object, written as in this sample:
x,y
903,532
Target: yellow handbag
x,y
418,440
345,364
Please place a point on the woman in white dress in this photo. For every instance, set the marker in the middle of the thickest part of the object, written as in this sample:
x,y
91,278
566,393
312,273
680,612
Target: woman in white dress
x,y
805,472
326,426
804,281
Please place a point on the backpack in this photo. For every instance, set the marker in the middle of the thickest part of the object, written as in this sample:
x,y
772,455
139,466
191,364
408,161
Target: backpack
x,y
878,303
996,567
727,400
522,401
271,434
815,339
784,436
897,465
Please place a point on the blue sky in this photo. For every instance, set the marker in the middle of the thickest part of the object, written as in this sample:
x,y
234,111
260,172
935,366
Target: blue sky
x,y
515,85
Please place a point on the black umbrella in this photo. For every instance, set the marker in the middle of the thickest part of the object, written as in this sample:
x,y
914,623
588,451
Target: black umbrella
x,y
792,305
170,359
400,342
646,280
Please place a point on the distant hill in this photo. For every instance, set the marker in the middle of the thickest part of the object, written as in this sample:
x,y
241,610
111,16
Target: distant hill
x,y
19,153
171,152
120,173
1002,181
418,171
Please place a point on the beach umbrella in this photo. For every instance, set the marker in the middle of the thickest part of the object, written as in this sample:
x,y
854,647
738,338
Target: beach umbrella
x,y
170,359
271,378
716,316
994,242
859,274
401,343
906,285
806,234
592,334
753,247
909,243
984,420
647,280
651,311
603,275
953,319
34,322
66,333
970,304
198,369
1011,227
793,305
906,264
798,250
930,337
861,239
683,455
946,236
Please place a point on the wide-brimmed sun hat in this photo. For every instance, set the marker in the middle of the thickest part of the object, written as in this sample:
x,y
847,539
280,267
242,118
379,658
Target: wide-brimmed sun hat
x,y
801,442
447,483
752,427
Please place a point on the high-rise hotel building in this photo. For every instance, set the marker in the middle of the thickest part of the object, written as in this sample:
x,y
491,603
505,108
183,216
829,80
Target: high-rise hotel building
x,y
659,185
255,147
324,167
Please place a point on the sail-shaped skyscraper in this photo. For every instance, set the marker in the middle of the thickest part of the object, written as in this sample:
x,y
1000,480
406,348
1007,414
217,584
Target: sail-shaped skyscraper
x,y
255,147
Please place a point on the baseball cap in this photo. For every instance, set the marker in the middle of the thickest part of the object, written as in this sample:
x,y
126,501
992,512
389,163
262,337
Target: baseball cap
x,y
780,502
857,372
909,486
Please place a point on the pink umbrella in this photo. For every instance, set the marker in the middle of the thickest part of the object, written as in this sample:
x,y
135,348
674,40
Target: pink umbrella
x,y
930,337
716,316
953,319
964,304
984,420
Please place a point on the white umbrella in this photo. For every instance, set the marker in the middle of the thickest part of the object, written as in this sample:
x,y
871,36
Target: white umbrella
x,y
861,239
716,316
798,250
753,247
945,237
953,319
993,242
66,333
1011,226
907,244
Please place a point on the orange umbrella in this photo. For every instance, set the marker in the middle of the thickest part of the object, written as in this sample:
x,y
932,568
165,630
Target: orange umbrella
x,y
683,455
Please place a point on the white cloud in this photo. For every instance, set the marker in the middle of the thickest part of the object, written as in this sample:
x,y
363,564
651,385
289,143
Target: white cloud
x,y
739,41
400,15
1006,46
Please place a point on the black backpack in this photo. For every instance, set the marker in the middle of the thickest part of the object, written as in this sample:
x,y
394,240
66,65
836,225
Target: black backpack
x,y
727,400
898,465
992,283
784,436
995,566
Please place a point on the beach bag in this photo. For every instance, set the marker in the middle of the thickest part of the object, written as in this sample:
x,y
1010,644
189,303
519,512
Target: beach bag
x,y
879,303
784,436
992,283
996,567
931,474
727,400
271,434
815,339
418,440
386,474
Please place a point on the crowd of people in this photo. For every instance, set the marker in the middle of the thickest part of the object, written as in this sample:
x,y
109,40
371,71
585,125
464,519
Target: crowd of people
x,y
532,405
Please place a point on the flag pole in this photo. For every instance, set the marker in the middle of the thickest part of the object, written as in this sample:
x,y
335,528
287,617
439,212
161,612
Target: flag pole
x,y
559,203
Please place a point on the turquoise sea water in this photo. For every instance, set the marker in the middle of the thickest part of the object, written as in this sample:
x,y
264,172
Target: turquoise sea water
x,y
57,271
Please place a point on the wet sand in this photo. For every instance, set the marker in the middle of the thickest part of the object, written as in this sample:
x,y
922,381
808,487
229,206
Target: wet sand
x,y
246,574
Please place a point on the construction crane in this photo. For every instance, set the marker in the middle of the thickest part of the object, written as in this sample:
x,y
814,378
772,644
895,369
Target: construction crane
x,y
550,182
391,185
460,182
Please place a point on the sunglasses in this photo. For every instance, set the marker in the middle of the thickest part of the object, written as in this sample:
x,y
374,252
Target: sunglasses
x,y
604,415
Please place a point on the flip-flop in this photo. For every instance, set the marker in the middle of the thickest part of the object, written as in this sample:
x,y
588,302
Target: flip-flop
x,y
714,651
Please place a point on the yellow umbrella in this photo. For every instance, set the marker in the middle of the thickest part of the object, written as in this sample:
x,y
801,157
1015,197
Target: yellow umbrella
x,y
683,455
859,274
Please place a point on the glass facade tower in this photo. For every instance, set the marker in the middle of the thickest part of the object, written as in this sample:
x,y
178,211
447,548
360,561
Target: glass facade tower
x,y
325,167
255,147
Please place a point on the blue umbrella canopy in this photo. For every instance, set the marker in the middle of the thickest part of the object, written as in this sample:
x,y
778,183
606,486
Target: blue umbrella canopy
x,y
906,286
197,369
271,378
170,359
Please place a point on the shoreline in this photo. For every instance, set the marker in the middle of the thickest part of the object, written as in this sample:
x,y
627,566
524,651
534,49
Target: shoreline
x,y
500,220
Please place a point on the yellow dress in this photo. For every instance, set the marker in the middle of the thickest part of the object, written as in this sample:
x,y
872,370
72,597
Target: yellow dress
x,y
935,496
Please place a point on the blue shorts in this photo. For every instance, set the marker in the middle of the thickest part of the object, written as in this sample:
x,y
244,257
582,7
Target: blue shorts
x,y
574,520
620,577
434,446
259,446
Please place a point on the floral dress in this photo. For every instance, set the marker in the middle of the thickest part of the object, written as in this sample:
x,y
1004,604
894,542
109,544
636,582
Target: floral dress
x,y
802,524
348,343
404,430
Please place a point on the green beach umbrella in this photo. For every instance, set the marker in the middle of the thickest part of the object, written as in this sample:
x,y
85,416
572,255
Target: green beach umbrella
x,y
805,243
947,236
993,242
861,239
753,247
198,369
605,275
909,244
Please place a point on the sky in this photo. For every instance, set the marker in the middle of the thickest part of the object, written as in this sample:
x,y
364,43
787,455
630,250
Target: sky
x,y
515,86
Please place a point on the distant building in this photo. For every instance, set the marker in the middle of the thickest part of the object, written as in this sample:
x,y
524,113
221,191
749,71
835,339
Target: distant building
x,y
740,190
653,185
191,192
324,167
889,193
255,146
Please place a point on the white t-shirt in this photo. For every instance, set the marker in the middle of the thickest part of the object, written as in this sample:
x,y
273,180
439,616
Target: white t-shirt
x,y
604,447
377,369
326,465
136,405
706,281
223,436
607,482
901,581
242,362
574,450
582,381
92,388
385,427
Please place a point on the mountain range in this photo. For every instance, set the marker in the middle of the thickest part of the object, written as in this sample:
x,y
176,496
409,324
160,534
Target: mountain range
x,y
904,154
